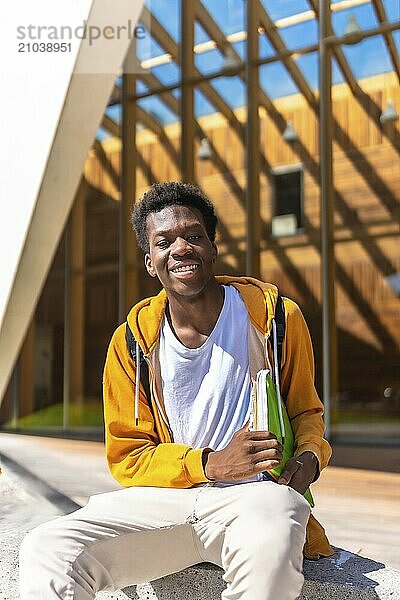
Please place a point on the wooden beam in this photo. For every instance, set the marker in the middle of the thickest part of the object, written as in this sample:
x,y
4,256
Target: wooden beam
x,y
111,126
327,209
371,109
280,47
107,166
167,42
77,300
152,124
187,92
128,250
149,122
253,220
217,34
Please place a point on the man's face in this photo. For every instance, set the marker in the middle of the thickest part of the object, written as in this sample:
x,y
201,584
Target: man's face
x,y
180,253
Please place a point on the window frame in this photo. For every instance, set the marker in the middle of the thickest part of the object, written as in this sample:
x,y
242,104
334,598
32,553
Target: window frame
x,y
285,170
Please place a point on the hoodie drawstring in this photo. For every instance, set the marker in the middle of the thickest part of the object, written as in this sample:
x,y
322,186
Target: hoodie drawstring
x,y
277,377
137,388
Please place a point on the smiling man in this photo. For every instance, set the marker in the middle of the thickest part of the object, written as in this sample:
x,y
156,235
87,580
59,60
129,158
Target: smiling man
x,y
196,478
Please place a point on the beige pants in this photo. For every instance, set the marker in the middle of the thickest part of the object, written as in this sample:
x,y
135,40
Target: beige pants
x,y
254,531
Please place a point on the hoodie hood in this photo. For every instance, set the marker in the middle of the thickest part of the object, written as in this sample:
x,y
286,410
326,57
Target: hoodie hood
x,y
145,318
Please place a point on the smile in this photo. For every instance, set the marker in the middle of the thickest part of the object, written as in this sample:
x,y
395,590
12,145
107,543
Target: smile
x,y
184,269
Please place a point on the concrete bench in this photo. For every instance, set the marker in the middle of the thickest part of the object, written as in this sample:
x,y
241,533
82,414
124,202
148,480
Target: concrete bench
x,y
344,576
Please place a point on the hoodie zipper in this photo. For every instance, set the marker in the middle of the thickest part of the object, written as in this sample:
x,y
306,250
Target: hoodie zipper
x,y
153,390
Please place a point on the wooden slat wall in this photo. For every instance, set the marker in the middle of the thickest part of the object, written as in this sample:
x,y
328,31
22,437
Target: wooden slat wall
x,y
367,180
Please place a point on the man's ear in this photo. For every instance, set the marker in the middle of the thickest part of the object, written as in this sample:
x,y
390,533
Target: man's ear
x,y
149,265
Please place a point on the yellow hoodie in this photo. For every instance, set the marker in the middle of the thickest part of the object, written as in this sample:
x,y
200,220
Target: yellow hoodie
x,y
144,454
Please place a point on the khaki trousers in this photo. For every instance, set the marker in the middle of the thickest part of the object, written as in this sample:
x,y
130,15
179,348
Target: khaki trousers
x,y
254,531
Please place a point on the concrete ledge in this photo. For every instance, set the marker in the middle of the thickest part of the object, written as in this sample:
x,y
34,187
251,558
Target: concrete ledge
x,y
344,576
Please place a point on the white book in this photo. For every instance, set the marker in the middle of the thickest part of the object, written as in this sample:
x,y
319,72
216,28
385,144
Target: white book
x,y
260,419
259,402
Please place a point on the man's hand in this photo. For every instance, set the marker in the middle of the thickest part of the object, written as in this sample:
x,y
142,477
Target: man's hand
x,y
248,453
300,471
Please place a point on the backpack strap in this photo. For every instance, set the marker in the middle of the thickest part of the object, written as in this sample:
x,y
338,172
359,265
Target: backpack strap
x,y
280,327
144,369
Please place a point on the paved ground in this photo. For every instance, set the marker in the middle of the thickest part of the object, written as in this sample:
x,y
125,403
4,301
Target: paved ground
x,y
44,477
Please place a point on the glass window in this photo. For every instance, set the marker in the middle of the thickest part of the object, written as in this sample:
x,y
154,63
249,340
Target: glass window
x,y
287,187
337,75
200,34
240,49
276,81
158,110
168,73
308,64
396,37
392,8
37,402
229,15
231,89
284,8
141,86
300,35
368,57
114,112
209,62
265,47
168,13
364,15
147,47
202,106
102,134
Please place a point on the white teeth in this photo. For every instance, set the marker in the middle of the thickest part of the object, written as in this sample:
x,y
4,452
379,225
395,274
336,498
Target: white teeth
x,y
185,268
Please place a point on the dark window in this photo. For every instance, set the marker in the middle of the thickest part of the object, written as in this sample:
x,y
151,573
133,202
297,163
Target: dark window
x,y
287,193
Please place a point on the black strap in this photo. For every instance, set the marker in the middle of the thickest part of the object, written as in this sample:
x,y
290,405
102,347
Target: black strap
x,y
144,368
280,327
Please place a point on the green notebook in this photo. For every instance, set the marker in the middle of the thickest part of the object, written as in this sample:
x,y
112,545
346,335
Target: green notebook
x,y
271,415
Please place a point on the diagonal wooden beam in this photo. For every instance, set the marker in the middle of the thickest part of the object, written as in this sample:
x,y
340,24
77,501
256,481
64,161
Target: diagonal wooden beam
x,y
159,131
218,36
274,37
111,126
391,46
105,163
168,43
150,123
371,109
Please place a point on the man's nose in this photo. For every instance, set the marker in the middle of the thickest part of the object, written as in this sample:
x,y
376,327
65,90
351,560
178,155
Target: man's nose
x,y
181,247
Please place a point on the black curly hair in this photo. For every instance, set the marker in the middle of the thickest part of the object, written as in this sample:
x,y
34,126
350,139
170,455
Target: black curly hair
x,y
161,195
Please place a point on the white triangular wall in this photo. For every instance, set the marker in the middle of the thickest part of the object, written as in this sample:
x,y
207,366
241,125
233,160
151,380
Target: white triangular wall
x,y
50,108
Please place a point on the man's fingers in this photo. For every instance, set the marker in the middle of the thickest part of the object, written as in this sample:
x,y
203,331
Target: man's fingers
x,y
291,467
245,426
261,435
265,465
273,455
256,446
255,435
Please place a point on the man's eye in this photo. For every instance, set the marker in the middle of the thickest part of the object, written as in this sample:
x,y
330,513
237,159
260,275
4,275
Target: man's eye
x,y
193,237
162,244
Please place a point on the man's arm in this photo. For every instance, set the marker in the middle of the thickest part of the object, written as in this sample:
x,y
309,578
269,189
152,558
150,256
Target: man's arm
x,y
305,409
134,453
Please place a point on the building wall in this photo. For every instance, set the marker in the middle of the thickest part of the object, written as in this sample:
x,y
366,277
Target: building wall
x,y
367,249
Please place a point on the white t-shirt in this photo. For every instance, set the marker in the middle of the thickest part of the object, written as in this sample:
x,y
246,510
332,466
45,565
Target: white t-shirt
x,y
207,389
